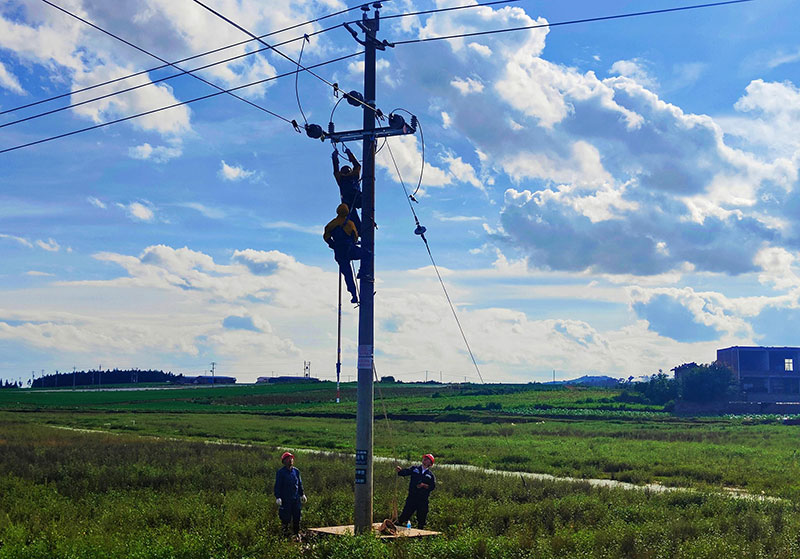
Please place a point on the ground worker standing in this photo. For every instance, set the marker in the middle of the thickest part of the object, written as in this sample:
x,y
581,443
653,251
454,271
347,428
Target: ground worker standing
x,y
341,235
348,180
419,489
289,494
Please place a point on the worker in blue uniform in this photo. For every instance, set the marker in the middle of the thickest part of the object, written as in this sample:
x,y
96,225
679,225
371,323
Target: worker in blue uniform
x,y
419,489
341,235
289,494
348,179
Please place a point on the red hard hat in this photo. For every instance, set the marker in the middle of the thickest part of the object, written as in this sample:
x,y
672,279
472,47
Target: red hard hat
x,y
429,457
286,455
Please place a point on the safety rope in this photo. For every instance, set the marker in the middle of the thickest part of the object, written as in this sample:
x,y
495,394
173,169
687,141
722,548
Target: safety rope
x,y
382,400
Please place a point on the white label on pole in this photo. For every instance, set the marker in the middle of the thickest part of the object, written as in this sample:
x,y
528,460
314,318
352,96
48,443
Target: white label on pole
x,y
365,351
365,362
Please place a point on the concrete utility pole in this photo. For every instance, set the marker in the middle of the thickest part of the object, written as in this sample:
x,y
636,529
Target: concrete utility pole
x,y
213,367
366,315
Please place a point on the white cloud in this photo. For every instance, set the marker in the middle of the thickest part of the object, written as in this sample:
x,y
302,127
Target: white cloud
x,y
96,202
9,81
139,211
158,154
408,157
234,173
20,240
50,245
467,86
211,213
636,69
310,230
36,273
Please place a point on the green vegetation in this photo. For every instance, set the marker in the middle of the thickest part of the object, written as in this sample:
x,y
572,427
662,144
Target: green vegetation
x,y
149,485
87,495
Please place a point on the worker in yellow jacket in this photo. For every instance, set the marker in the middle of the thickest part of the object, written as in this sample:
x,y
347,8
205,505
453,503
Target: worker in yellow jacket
x,y
341,235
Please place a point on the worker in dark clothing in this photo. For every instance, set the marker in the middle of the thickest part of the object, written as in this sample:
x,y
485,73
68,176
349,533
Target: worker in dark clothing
x,y
348,180
419,489
341,235
289,494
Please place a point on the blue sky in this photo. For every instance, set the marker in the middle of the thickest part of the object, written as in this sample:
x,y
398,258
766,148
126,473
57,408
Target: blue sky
x,y
605,198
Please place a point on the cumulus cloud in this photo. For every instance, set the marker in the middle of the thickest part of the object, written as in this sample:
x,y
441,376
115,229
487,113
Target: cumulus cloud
x,y
157,154
636,69
234,173
608,177
139,211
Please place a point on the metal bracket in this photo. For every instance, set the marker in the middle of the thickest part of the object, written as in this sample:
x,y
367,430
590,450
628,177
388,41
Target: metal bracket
x,y
355,135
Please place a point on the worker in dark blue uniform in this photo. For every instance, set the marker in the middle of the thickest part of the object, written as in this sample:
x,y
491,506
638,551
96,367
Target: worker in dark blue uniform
x,y
348,179
419,489
341,235
289,494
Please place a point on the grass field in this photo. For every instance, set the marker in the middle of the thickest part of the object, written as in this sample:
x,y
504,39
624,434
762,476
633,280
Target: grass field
x,y
151,486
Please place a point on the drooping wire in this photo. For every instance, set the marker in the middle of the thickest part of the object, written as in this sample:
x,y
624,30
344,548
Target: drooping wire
x,y
215,86
421,232
422,142
297,78
243,30
209,96
571,22
213,51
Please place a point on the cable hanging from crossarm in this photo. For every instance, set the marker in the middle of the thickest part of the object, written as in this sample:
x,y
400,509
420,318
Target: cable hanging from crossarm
x,y
420,230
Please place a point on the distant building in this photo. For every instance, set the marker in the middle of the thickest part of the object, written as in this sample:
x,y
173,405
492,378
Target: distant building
x,y
767,374
208,379
286,379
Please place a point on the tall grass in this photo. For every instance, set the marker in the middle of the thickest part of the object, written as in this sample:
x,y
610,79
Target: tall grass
x,y
66,494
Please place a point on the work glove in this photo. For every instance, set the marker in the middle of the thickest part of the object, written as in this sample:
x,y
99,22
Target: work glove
x,y
279,502
303,499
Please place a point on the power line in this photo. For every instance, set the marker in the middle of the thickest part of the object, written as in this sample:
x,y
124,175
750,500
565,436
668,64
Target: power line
x,y
296,63
127,89
439,10
206,66
209,96
571,22
214,51
257,106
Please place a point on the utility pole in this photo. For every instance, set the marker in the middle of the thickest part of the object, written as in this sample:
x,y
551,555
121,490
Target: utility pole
x,y
366,315
74,374
213,366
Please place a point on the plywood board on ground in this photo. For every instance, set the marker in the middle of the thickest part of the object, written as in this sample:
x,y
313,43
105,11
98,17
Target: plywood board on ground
x,y
350,529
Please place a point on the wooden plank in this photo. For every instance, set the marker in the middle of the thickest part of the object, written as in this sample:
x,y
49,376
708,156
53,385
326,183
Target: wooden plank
x,y
350,530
